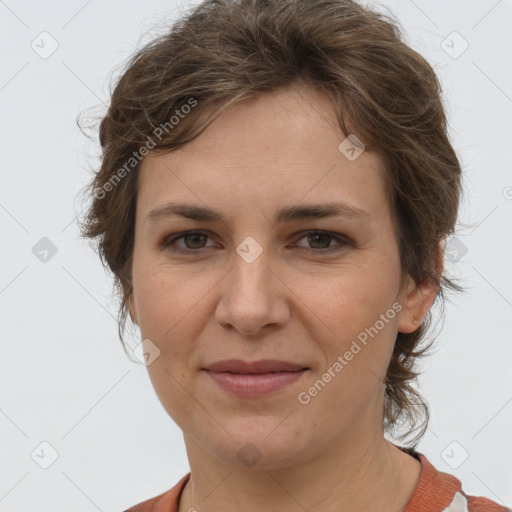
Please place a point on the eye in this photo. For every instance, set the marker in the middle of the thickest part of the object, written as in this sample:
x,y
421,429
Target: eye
x,y
194,242
323,239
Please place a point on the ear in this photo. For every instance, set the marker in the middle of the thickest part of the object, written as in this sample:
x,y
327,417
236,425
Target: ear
x,y
133,310
416,300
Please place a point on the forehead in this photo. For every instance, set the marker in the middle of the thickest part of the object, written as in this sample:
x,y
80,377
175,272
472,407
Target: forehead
x,y
279,146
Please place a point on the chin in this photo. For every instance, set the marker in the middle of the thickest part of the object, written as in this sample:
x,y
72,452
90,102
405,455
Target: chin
x,y
263,443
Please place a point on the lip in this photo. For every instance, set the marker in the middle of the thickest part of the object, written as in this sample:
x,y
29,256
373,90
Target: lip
x,y
261,366
257,378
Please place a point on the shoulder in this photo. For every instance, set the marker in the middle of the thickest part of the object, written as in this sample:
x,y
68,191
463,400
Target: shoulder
x,y
442,492
464,503
165,502
485,505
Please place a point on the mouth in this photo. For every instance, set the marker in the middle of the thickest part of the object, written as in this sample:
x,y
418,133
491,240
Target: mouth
x,y
252,379
255,367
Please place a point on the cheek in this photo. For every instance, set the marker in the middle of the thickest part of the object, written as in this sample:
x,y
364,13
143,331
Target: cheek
x,y
168,303
352,299
357,307
171,314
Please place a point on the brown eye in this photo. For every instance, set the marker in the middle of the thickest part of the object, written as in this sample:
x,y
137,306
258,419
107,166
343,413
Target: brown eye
x,y
319,241
194,242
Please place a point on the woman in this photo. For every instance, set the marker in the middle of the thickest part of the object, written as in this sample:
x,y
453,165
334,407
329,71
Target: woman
x,y
274,197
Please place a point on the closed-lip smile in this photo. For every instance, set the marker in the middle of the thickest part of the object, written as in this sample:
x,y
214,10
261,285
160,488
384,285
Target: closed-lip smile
x,y
254,378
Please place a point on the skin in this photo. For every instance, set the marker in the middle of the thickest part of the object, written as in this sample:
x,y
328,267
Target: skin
x,y
294,302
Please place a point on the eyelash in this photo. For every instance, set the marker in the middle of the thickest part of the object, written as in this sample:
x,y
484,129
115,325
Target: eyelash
x,y
167,243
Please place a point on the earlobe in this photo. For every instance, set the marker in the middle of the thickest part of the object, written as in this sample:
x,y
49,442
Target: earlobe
x,y
415,305
417,299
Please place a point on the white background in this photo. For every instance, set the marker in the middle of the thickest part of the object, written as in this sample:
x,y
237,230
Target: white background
x,y
64,376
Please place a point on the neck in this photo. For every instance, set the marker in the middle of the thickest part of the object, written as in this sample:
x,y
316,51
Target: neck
x,y
353,477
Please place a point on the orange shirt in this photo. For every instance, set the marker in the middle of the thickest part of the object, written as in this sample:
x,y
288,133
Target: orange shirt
x,y
435,492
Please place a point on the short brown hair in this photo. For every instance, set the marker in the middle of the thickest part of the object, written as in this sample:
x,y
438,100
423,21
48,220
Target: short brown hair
x,y
226,51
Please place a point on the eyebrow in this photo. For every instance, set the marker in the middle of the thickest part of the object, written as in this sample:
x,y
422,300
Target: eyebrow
x,y
287,214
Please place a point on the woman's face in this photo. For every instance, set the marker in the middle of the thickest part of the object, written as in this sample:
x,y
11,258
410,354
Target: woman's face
x,y
257,286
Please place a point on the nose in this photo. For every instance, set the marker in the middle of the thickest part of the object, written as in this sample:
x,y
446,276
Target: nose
x,y
253,297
